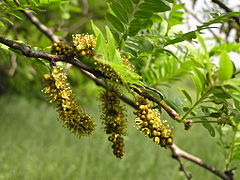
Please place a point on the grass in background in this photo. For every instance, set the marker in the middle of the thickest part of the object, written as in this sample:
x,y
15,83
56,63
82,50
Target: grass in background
x,y
33,145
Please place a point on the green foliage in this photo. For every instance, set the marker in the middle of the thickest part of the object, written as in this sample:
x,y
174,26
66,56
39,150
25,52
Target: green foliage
x,y
161,67
227,47
9,8
176,15
225,67
61,15
31,3
187,95
192,34
164,71
26,154
208,126
128,17
106,52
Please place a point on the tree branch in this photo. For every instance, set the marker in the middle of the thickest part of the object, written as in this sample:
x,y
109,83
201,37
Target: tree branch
x,y
101,83
45,30
227,9
28,52
182,168
222,5
177,153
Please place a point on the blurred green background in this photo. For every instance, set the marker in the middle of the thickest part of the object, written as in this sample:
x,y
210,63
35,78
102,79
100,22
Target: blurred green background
x,y
34,145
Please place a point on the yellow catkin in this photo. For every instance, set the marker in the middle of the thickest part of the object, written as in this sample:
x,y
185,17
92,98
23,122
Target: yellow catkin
x,y
108,72
148,121
70,112
60,48
113,118
128,64
84,44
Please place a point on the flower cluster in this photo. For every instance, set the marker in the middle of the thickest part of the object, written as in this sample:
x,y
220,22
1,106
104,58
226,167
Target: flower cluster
x,y
108,72
149,122
128,64
70,112
113,119
61,48
84,44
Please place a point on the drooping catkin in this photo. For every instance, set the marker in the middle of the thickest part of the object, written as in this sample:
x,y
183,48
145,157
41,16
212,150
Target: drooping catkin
x,y
60,48
127,63
70,112
108,71
148,121
84,44
113,117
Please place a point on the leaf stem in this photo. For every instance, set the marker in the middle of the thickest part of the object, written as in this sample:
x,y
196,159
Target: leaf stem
x,y
196,117
205,122
204,96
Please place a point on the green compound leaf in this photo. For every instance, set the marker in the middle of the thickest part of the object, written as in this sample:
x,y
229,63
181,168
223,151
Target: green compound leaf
x,y
111,44
101,48
154,6
141,14
187,95
227,47
34,3
199,80
110,55
176,15
139,44
207,25
119,11
171,1
135,1
137,24
127,5
225,67
115,22
197,84
128,17
10,8
208,126
219,19
127,75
